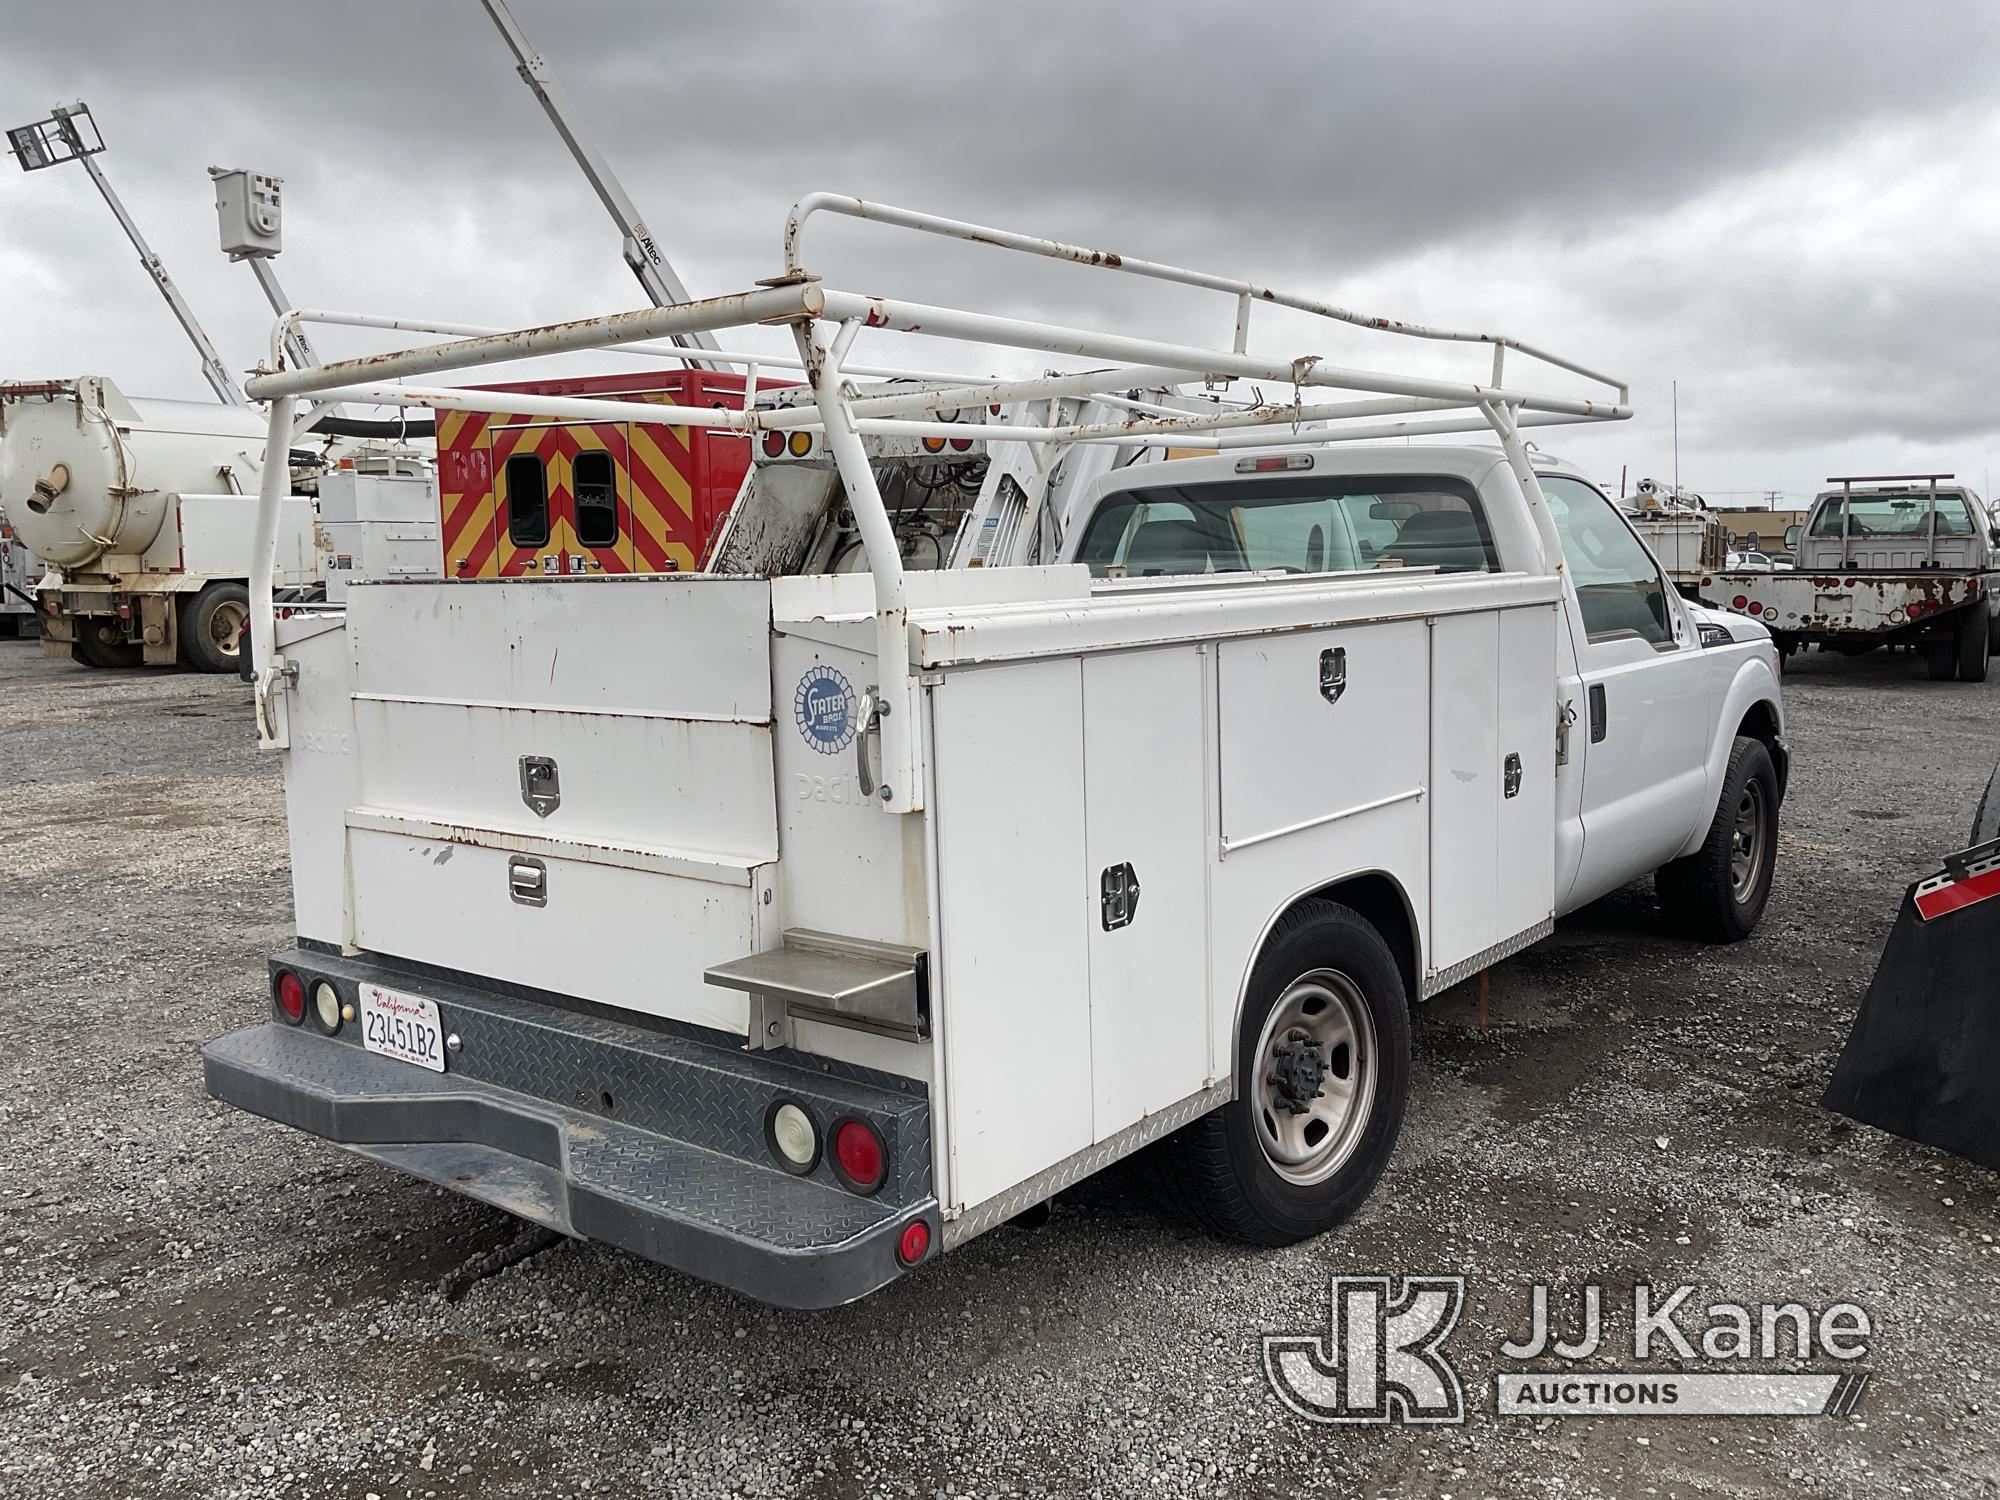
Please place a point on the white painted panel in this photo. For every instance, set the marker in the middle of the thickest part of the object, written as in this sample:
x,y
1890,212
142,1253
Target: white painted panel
x,y
1013,952
621,937
1525,878
321,773
684,645
657,782
1145,786
1465,788
1289,756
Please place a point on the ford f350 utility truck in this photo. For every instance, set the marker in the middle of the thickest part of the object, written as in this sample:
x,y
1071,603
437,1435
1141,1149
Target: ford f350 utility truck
x,y
792,930
1890,559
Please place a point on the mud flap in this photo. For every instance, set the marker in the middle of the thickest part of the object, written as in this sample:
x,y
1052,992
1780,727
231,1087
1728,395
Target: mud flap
x,y
1923,1060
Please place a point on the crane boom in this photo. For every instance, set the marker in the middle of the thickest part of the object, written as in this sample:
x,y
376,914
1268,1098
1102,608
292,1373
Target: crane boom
x,y
642,252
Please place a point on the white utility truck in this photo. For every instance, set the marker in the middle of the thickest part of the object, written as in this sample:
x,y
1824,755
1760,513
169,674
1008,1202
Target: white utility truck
x,y
793,929
1884,560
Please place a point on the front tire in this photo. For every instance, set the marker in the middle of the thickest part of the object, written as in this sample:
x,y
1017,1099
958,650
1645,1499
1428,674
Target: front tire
x,y
1323,1076
212,628
1718,893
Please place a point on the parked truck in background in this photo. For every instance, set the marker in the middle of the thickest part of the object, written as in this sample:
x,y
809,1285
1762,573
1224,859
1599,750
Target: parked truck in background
x,y
791,927
20,571
1687,537
1896,559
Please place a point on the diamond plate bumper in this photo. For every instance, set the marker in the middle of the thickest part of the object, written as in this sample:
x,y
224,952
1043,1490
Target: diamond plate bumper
x,y
643,1134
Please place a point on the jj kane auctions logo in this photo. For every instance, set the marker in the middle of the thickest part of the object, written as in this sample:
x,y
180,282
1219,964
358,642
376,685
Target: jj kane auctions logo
x,y
1382,1357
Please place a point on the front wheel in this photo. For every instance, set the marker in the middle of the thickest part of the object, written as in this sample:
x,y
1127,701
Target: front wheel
x,y
1322,1078
1718,892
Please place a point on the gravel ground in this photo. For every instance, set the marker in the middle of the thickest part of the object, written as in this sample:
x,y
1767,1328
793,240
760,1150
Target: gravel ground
x,y
195,1302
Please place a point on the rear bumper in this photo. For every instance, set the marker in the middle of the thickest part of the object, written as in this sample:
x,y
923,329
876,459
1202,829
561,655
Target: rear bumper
x,y
1856,606
646,1136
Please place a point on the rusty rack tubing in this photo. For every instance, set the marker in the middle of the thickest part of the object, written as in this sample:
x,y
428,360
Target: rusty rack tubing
x,y
826,323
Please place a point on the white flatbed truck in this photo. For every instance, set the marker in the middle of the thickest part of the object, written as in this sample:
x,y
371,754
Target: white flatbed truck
x,y
792,930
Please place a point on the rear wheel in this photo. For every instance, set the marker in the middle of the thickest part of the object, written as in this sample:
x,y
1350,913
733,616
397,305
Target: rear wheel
x,y
1718,893
211,630
1974,635
1941,657
97,642
1323,1071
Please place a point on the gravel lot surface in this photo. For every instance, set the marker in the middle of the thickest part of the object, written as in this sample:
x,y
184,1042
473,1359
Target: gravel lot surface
x,y
195,1302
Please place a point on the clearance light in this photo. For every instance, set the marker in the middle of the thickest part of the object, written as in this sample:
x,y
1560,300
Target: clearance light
x,y
792,1136
774,444
326,1007
915,1242
858,1157
291,996
1274,465
801,443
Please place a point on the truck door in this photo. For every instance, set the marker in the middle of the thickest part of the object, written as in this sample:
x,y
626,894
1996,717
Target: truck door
x,y
1640,695
563,497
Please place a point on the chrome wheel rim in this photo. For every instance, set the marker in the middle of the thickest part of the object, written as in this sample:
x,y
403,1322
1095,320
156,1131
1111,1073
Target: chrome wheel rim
x,y
1746,843
1316,1071
225,627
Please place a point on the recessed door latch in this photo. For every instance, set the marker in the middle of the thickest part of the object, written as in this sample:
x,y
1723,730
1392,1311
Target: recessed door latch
x,y
1511,779
528,881
1333,673
541,788
1118,893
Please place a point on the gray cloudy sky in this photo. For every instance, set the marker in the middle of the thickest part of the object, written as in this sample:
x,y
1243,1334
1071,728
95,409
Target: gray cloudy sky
x,y
1791,208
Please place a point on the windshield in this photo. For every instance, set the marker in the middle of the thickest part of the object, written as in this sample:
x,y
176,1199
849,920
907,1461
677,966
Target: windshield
x,y
1894,515
1294,524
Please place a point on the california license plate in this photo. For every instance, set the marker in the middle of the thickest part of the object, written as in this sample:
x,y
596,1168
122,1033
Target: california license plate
x,y
404,1027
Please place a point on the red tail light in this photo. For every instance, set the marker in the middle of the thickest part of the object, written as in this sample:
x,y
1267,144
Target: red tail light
x,y
963,445
1738,602
291,996
774,444
915,1242
859,1159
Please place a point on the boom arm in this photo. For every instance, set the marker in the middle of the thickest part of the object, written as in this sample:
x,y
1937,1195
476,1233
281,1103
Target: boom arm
x,y
642,254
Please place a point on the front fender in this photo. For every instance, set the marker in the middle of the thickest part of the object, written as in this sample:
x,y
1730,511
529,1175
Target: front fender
x,y
1752,682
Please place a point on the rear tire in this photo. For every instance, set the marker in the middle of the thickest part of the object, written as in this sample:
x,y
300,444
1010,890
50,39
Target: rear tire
x,y
1718,893
1941,657
1974,635
1323,1076
211,629
96,643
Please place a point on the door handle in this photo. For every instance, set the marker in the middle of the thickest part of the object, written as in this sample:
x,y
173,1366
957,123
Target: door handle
x,y
1597,716
869,711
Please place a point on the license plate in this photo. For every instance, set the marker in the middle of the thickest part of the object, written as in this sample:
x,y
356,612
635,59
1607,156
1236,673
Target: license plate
x,y
404,1027
1833,604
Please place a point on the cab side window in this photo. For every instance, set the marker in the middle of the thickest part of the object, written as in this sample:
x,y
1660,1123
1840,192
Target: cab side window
x,y
1618,584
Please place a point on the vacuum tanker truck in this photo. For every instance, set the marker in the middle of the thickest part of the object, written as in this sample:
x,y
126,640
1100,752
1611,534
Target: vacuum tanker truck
x,y
143,511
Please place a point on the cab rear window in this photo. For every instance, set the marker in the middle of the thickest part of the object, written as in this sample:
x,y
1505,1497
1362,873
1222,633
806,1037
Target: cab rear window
x,y
1290,524
527,501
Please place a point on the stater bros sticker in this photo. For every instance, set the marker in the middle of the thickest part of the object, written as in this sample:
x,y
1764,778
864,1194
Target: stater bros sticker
x,y
405,1027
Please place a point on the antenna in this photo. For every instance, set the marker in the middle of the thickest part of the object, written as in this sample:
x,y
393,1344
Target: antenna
x,y
69,134
1677,437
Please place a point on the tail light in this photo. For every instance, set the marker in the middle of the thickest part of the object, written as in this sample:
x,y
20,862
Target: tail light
x,y
1756,608
859,1159
291,994
933,445
963,445
1738,602
914,1243
800,443
774,444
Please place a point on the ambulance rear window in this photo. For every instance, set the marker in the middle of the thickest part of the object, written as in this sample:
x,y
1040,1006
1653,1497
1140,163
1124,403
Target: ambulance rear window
x,y
596,500
527,501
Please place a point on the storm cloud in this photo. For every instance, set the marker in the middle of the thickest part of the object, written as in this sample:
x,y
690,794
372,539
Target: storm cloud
x,y
1787,208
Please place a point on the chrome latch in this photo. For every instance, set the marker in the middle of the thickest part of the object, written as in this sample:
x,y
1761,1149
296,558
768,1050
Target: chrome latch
x,y
1333,673
541,788
1118,895
1511,783
528,881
